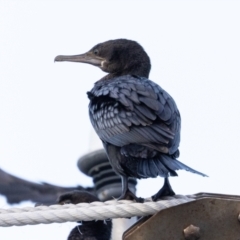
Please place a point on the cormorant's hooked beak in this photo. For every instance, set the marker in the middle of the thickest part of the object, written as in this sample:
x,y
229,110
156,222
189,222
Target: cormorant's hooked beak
x,y
88,57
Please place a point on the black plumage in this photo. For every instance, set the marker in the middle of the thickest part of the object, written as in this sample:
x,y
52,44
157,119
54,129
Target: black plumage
x,y
87,230
137,121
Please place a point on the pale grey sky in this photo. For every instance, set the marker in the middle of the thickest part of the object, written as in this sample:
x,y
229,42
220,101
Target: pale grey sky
x,y
44,126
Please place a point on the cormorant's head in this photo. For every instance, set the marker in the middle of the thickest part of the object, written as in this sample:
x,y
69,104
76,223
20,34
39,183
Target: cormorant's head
x,y
76,197
116,57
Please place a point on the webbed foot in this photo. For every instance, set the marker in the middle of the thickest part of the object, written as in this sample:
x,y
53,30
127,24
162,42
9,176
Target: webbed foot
x,y
166,190
128,195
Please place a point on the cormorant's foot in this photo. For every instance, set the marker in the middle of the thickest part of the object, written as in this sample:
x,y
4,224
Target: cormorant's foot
x,y
163,192
128,195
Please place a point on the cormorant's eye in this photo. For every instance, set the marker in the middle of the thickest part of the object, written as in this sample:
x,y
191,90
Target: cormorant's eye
x,y
95,51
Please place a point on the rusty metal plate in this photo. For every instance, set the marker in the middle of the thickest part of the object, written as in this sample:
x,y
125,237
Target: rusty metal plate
x,y
216,216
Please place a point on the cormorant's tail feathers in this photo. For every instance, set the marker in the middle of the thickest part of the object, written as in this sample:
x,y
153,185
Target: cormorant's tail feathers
x,y
163,166
174,165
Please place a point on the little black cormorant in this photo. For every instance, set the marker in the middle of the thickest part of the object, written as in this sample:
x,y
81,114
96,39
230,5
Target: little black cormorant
x,y
137,121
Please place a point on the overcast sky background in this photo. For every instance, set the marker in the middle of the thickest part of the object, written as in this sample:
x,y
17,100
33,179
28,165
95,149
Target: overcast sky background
x,y
44,126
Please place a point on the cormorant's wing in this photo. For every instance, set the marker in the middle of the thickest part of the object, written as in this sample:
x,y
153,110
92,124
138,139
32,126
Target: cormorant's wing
x,y
17,190
131,110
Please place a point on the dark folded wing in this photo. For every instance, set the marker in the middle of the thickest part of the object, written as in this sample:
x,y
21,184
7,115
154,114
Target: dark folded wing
x,y
128,110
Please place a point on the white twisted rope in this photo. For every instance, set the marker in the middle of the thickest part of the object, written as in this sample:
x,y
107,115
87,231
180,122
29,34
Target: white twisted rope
x,y
85,211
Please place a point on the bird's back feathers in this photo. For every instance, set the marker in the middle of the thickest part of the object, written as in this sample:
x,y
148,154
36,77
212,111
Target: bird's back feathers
x,y
130,109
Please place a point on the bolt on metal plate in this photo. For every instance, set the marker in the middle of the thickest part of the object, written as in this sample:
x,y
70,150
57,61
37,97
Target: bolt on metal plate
x,y
191,232
216,216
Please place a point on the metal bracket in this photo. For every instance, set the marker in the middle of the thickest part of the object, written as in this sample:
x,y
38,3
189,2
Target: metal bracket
x,y
212,216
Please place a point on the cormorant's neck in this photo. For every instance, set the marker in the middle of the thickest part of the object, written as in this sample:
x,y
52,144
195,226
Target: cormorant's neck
x,y
141,73
138,65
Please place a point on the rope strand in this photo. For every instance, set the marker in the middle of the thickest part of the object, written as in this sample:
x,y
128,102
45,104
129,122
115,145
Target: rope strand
x,y
85,211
